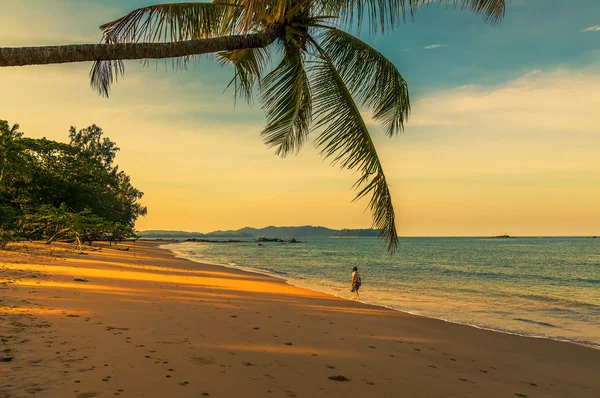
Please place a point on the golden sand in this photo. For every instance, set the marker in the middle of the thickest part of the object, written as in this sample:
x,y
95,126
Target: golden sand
x,y
148,324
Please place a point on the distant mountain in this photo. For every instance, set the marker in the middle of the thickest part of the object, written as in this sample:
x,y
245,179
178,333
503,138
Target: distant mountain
x,y
156,234
268,232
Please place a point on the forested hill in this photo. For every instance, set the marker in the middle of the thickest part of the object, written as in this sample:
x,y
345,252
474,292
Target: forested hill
x,y
270,232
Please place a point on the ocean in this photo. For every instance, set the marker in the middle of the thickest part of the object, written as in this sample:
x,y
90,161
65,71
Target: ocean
x,y
539,287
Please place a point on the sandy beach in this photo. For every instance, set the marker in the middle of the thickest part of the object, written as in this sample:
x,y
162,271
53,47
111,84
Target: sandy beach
x,y
148,324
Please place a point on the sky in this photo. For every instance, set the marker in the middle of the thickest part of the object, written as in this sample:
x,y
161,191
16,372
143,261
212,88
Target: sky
x,y
504,133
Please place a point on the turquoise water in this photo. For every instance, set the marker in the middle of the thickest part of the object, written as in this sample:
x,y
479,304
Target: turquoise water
x,y
542,287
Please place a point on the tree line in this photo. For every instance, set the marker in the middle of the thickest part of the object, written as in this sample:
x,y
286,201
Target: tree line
x,y
64,191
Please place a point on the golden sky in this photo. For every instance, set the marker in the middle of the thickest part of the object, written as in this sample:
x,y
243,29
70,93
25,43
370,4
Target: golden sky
x,y
520,156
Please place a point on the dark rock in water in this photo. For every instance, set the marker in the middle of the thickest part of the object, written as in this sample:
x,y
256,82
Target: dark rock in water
x,y
263,239
213,241
501,237
276,240
339,378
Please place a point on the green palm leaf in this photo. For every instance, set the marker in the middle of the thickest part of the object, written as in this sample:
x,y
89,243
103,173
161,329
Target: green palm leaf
x,y
163,22
249,64
382,14
287,103
346,139
372,79
170,22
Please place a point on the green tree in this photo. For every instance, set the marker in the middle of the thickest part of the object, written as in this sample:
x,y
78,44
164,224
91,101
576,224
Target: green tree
x,y
90,140
55,190
325,75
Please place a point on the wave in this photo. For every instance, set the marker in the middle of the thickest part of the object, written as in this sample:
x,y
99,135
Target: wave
x,y
334,289
536,322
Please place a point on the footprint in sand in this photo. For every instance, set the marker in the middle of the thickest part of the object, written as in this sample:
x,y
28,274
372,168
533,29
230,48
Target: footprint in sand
x,y
521,395
87,395
529,383
198,360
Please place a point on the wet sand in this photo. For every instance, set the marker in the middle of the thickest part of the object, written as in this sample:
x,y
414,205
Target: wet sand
x,y
147,324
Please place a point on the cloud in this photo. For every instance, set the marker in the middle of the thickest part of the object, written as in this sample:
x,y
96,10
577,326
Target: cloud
x,y
591,29
434,46
561,101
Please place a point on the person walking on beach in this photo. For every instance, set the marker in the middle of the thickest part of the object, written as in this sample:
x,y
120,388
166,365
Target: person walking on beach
x,y
356,282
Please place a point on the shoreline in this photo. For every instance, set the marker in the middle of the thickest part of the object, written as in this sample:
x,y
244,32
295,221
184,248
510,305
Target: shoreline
x,y
290,281
150,324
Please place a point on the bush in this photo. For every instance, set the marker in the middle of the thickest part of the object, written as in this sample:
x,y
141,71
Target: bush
x,y
5,238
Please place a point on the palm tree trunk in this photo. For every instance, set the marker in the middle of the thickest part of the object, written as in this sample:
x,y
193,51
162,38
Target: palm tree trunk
x,y
20,56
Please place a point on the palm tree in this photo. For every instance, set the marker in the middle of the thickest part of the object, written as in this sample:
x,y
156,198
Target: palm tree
x,y
324,77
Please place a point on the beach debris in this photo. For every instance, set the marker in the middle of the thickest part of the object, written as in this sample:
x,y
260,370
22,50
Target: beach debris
x,y
330,366
80,279
7,359
339,378
247,364
288,343
521,395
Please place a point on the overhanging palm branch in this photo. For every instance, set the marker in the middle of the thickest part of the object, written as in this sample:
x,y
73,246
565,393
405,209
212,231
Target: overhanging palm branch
x,y
250,65
163,23
346,140
173,22
371,78
387,14
287,103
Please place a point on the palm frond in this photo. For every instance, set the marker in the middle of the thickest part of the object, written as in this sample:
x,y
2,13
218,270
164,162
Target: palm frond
x,y
173,22
104,73
163,22
249,64
372,79
346,140
287,103
387,14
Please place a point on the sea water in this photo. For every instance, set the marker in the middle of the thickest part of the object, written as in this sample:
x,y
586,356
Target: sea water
x,y
540,287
